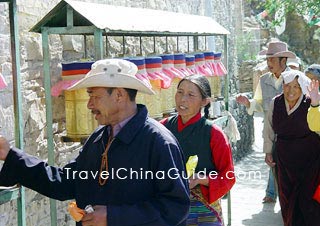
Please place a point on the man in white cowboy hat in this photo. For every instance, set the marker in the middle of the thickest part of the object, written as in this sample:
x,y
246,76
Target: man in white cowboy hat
x,y
130,170
270,85
294,63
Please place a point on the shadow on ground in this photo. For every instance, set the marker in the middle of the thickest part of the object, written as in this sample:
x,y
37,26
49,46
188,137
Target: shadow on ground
x,y
267,216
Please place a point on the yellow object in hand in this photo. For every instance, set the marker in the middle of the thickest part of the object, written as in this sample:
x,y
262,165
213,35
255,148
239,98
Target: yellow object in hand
x,y
75,212
191,165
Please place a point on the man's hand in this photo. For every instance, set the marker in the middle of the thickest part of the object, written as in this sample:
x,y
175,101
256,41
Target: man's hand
x,y
314,92
4,148
241,99
96,218
269,160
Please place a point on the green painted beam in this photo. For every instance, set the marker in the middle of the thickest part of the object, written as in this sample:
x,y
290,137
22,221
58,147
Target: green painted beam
x,y
71,31
9,194
49,118
17,100
98,44
69,16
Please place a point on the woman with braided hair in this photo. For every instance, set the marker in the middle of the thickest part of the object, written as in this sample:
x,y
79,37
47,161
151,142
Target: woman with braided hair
x,y
214,174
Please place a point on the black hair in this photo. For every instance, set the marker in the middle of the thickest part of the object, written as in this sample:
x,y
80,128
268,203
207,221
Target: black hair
x,y
204,87
132,93
280,58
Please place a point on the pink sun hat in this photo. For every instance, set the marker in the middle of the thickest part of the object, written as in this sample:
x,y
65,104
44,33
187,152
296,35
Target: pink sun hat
x,y
277,49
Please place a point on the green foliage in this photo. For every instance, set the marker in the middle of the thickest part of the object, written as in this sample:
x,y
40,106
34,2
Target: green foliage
x,y
307,8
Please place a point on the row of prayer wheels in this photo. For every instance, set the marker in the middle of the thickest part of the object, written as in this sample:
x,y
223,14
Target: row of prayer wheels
x,y
162,72
165,71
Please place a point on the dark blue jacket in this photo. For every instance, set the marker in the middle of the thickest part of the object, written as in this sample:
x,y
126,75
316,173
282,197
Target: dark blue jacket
x,y
143,187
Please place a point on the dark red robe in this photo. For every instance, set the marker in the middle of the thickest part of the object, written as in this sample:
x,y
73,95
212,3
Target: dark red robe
x,y
298,164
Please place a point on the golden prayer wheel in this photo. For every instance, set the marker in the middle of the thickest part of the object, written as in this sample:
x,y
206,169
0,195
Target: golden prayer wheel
x,y
215,84
211,82
80,121
167,100
167,95
153,102
140,98
141,75
156,77
174,85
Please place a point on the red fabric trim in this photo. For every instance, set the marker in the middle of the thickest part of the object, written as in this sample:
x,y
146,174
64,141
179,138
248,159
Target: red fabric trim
x,y
194,119
209,57
190,63
143,66
156,65
167,61
179,61
164,121
316,195
75,72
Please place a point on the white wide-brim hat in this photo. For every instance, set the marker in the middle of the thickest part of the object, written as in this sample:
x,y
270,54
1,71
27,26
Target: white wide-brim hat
x,y
294,62
113,73
277,49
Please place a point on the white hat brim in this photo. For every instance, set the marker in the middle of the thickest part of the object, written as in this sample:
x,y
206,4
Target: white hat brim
x,y
114,80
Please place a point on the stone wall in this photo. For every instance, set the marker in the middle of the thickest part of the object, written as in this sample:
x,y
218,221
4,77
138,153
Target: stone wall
x,y
302,39
63,48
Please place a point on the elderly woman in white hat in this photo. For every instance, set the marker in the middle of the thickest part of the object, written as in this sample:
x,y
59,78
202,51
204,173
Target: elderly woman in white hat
x,y
270,85
130,169
295,151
